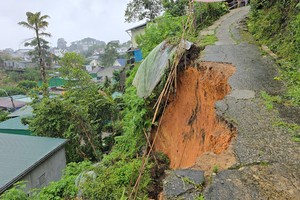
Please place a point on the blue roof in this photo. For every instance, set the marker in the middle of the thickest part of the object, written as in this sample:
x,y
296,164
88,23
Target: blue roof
x,y
122,62
20,154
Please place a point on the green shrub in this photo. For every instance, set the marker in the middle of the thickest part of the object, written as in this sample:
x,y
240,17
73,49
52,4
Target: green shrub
x,y
11,90
27,85
15,193
170,26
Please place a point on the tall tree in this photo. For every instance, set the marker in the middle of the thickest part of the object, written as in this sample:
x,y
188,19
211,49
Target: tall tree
x,y
110,53
38,23
175,7
138,10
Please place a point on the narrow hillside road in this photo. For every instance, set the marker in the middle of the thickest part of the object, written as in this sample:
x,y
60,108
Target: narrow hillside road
x,y
268,160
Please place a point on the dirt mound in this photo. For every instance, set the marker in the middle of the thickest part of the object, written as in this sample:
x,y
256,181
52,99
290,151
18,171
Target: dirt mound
x,y
190,128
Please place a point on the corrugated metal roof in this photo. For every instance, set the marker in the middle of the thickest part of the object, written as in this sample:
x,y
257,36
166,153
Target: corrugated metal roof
x,y
108,71
122,62
6,103
26,100
19,96
137,27
13,123
22,112
20,154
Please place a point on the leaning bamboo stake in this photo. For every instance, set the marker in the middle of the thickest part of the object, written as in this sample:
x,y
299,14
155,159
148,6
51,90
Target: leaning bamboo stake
x,y
172,79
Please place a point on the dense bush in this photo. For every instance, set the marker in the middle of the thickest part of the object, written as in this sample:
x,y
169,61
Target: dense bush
x,y
3,115
11,90
170,25
80,117
27,85
30,74
277,24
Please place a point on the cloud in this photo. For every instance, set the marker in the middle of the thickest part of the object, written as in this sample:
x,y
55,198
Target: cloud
x,y
70,19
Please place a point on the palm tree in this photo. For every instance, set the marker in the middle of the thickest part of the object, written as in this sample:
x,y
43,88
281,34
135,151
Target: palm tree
x,y
38,24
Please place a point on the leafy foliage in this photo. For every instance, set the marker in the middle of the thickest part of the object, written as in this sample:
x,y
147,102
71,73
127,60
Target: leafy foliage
x,y
3,115
207,13
269,100
29,74
277,24
138,10
165,27
110,54
27,85
118,171
64,188
175,8
16,193
80,115
170,27
71,62
11,90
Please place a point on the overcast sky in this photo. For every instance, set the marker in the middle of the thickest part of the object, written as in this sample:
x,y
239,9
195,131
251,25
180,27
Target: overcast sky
x,y
70,19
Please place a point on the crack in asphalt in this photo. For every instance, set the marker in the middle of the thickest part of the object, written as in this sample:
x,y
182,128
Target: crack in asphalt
x,y
258,140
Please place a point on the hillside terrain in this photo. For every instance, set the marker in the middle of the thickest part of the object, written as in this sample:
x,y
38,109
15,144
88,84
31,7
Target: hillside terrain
x,y
220,122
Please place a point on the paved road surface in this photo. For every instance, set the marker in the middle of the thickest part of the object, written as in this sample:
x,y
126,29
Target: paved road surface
x,y
268,160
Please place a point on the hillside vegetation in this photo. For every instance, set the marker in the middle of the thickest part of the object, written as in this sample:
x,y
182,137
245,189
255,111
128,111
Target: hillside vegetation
x,y
126,172
276,23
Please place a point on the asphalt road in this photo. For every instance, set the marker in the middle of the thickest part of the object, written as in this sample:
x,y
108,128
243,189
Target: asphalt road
x,y
268,160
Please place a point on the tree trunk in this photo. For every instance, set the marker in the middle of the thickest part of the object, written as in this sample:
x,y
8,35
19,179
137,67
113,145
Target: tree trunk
x,y
41,63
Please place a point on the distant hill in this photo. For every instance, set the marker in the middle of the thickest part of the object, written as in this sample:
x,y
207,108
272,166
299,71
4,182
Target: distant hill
x,y
84,45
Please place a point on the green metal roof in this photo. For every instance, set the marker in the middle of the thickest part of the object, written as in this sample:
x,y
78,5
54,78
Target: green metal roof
x,y
15,126
25,111
20,154
54,82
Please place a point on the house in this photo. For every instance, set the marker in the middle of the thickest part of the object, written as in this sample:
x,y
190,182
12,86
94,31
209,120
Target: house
x,y
88,68
135,31
35,160
14,126
94,63
120,63
12,65
107,72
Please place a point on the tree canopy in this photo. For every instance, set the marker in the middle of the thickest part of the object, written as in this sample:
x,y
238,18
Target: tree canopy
x,y
138,10
110,54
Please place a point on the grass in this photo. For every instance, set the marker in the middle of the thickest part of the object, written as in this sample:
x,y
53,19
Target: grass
x,y
270,100
215,169
201,197
208,40
291,128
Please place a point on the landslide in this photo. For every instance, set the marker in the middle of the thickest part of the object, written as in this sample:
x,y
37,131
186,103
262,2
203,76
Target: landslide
x,y
190,132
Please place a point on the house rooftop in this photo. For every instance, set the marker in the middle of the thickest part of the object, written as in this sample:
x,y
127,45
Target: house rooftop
x,y
122,62
25,111
6,103
14,126
20,154
137,27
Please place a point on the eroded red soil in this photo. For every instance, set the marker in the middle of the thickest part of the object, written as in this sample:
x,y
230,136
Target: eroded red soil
x,y
190,132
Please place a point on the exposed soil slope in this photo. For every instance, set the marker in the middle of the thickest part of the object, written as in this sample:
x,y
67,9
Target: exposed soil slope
x,y
190,127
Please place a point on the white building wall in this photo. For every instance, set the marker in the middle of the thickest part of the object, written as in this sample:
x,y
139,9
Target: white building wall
x,y
135,33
